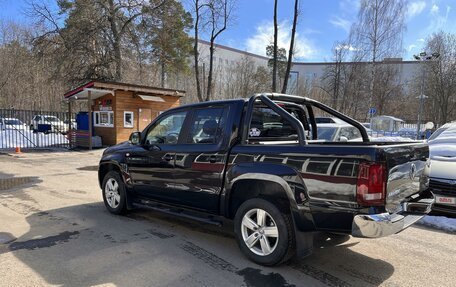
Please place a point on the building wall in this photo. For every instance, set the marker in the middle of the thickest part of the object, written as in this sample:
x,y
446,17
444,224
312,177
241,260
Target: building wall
x,y
311,72
127,101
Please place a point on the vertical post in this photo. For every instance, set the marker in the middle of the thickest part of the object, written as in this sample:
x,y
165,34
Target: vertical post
x,y
89,108
69,134
418,125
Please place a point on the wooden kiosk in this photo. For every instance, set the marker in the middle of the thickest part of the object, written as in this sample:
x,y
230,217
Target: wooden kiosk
x,y
115,110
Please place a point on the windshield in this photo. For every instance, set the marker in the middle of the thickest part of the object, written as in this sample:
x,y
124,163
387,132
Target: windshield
x,y
437,133
51,119
326,133
13,122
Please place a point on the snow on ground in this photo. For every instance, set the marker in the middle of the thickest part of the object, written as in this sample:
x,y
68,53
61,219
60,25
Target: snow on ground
x,y
439,222
27,138
390,139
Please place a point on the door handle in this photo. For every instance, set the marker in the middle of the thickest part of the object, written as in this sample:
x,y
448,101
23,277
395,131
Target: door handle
x,y
168,157
212,159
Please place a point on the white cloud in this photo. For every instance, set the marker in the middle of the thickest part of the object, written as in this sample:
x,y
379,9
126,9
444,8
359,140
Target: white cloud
x,y
415,8
440,19
304,48
340,23
347,47
411,47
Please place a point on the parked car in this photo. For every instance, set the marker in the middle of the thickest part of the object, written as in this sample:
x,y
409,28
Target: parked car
x,y
328,120
12,124
339,132
48,123
276,185
442,146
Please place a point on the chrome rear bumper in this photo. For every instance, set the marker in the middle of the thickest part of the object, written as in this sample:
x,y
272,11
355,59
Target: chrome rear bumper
x,y
384,224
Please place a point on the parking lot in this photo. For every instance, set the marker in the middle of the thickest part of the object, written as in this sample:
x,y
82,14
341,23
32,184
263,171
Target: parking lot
x,y
54,230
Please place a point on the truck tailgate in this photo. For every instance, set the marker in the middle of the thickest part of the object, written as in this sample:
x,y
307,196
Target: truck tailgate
x,y
408,172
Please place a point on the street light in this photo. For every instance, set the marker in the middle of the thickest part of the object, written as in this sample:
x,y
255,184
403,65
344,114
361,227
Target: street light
x,y
422,57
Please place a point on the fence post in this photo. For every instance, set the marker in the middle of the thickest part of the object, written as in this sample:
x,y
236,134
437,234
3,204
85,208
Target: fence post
x,y
89,108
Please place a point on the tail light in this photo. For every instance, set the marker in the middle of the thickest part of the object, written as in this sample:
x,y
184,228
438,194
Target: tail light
x,y
371,186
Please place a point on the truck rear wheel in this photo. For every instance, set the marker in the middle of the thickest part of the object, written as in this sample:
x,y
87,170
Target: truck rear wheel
x,y
264,234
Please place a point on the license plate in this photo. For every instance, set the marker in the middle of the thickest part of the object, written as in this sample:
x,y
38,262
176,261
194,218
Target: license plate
x,y
445,200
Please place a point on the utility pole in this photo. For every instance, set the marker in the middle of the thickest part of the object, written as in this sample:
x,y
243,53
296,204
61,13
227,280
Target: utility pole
x,y
422,57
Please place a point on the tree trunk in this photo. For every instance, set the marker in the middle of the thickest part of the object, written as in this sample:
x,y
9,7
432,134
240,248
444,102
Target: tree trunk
x,y
118,60
274,57
116,42
291,50
211,68
196,53
163,74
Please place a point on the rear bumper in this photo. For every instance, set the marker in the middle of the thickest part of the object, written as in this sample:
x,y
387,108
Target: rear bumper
x,y
384,224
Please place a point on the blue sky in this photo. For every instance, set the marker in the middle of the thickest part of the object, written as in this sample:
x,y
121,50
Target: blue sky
x,y
322,22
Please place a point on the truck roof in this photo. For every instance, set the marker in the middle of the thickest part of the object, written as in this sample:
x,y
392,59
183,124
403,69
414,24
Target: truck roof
x,y
212,103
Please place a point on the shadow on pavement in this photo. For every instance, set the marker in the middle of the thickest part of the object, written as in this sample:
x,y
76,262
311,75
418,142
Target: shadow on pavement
x,y
85,245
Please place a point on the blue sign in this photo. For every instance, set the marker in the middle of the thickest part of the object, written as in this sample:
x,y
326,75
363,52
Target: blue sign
x,y
372,111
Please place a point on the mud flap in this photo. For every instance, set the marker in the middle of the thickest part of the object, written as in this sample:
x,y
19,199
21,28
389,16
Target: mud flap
x,y
304,242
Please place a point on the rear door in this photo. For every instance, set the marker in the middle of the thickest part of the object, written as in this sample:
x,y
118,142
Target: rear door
x,y
200,164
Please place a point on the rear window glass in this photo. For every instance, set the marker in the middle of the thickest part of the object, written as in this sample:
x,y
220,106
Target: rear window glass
x,y
266,124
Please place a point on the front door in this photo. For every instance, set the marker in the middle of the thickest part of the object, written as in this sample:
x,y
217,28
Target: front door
x,y
151,167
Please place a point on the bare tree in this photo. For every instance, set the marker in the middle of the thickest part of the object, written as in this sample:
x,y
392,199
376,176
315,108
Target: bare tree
x,y
441,77
198,7
334,75
291,49
219,15
378,34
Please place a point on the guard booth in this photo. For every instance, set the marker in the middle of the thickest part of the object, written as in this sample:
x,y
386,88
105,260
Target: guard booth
x,y
115,110
386,123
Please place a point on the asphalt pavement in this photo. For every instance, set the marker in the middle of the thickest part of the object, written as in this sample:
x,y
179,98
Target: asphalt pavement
x,y
55,231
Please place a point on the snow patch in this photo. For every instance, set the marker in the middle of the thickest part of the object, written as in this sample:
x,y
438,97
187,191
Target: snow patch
x,y
390,139
27,138
439,222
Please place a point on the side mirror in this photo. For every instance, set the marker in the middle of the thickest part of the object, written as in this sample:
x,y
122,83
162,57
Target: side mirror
x,y
343,139
135,138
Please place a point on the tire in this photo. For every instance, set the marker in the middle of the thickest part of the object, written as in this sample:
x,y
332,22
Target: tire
x,y
113,191
281,248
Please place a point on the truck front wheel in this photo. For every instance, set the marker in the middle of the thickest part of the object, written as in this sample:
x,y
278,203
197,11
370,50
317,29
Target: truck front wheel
x,y
264,234
114,193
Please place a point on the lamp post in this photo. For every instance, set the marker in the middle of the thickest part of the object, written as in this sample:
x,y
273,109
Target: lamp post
x,y
422,57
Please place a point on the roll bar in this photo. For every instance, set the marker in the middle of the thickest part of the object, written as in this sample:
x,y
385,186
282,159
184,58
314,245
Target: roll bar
x,y
268,98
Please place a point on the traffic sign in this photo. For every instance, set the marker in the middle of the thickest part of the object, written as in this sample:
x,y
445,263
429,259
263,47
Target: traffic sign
x,y
372,111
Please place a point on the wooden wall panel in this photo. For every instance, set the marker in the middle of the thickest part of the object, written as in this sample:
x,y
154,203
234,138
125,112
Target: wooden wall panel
x,y
127,101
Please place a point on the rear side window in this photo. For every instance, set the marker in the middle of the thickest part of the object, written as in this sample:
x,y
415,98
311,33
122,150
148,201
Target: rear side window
x,y
266,124
207,126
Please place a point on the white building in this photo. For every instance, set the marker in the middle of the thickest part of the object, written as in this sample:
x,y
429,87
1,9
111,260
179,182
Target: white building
x,y
311,72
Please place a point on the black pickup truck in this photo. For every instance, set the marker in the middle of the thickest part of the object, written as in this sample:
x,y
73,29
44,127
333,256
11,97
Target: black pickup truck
x,y
259,162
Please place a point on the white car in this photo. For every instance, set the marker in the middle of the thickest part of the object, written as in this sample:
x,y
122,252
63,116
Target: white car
x,y
442,148
338,132
12,124
48,123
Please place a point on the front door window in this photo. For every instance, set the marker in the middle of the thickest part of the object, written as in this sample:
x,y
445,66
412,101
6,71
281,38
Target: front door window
x,y
166,130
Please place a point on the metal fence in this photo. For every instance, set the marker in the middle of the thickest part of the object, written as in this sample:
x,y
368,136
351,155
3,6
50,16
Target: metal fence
x,y
35,129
